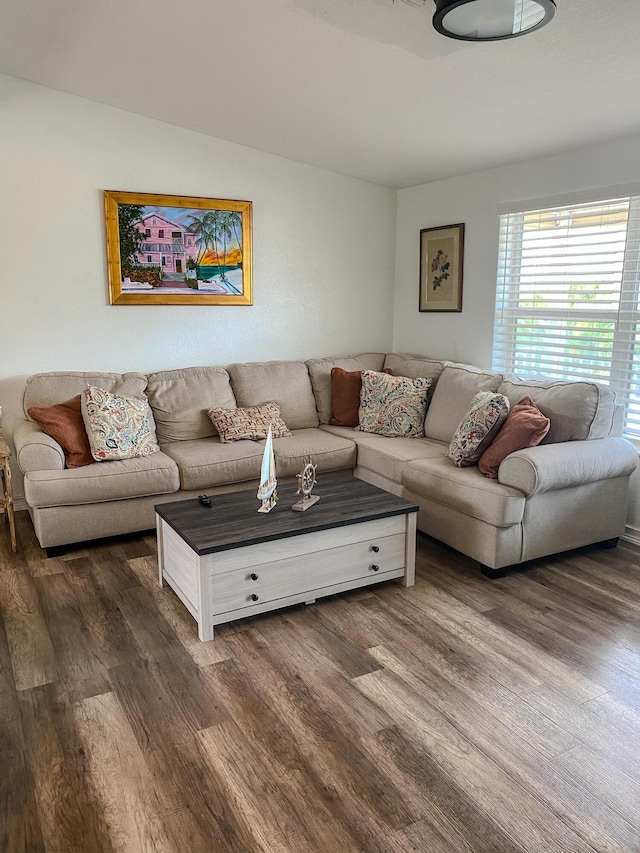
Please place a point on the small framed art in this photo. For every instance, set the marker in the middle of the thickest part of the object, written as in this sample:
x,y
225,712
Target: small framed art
x,y
441,261
178,250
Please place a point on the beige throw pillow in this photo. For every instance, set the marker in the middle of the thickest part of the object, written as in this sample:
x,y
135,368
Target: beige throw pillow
x,y
117,427
250,423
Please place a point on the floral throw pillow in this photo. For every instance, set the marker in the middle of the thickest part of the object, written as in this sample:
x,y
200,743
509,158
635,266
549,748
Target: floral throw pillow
x,y
117,427
478,428
392,405
250,423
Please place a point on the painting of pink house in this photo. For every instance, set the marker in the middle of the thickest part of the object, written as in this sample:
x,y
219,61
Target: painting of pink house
x,y
166,244
178,250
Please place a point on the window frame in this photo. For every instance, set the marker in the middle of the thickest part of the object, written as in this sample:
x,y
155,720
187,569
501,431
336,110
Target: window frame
x,y
624,359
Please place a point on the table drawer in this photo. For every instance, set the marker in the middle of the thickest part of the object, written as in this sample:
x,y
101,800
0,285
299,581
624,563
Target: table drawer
x,y
306,572
278,550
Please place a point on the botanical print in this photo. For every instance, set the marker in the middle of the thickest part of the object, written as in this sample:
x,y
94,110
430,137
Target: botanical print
x,y
440,253
441,258
440,264
178,250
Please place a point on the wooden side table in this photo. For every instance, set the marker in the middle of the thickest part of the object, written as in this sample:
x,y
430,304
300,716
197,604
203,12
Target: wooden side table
x,y
6,491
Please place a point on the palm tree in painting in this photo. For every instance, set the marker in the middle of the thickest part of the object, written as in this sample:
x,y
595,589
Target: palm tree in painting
x,y
212,231
235,221
204,233
224,232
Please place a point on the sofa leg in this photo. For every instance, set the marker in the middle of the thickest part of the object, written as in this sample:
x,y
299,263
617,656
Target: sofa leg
x,y
492,574
57,550
608,543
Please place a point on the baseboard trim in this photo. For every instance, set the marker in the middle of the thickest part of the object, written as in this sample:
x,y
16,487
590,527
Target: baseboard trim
x,y
632,534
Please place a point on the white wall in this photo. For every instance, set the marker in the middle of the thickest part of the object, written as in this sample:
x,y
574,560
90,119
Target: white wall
x,y
323,247
474,199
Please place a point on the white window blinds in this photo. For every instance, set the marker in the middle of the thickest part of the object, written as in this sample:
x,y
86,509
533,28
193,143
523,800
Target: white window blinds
x,y
567,301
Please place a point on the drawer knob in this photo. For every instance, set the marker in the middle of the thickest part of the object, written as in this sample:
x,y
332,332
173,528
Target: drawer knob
x,y
375,568
254,576
375,548
254,597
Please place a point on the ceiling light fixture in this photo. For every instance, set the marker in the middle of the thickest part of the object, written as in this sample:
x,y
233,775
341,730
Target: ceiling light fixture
x,y
491,20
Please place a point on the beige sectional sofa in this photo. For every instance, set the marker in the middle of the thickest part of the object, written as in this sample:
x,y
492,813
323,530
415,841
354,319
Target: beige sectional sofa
x,y
568,492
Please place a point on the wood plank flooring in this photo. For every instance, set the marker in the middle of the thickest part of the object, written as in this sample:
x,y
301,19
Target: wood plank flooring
x,y
462,715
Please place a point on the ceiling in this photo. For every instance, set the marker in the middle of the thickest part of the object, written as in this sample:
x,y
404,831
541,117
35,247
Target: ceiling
x,y
362,87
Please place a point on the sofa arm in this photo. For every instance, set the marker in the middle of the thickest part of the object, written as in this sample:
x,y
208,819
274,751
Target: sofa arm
x,y
548,467
35,450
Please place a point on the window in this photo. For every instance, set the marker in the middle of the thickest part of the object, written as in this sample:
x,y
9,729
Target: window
x,y
148,259
160,233
147,232
164,261
176,235
567,302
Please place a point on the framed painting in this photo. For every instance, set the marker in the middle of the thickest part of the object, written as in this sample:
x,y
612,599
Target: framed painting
x,y
441,259
178,250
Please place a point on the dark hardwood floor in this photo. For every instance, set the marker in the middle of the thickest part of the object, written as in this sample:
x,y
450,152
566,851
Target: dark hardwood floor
x,y
459,715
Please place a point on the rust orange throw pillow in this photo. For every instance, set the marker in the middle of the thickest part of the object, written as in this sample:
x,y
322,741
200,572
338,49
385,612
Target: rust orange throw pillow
x,y
64,423
345,396
525,426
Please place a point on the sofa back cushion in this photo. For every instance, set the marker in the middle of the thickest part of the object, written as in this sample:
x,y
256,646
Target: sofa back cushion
x,y
284,382
320,373
415,367
457,386
577,410
48,389
180,400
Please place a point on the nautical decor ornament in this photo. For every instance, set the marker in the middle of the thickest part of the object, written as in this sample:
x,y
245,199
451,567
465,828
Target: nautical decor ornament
x,y
306,482
267,489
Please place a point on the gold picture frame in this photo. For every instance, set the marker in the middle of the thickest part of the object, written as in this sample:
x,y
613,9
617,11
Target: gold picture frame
x,y
441,264
178,250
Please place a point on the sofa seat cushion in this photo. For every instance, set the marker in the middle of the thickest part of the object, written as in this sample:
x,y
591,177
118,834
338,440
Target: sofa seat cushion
x,y
320,373
328,452
457,386
207,462
156,474
180,399
388,457
284,382
465,490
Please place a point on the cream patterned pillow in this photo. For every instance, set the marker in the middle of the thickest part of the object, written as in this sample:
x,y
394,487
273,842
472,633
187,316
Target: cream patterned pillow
x,y
392,405
478,428
251,423
117,427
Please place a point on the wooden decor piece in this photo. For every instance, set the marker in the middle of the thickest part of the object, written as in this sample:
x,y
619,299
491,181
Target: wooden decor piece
x,y
306,482
6,491
178,250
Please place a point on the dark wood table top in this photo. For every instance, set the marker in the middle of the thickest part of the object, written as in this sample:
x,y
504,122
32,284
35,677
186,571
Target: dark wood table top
x,y
233,520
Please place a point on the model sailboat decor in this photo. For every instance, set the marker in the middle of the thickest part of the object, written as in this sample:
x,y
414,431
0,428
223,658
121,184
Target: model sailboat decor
x,y
267,489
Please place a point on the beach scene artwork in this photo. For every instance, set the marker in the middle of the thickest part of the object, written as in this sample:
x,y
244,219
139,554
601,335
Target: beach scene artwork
x,y
174,250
